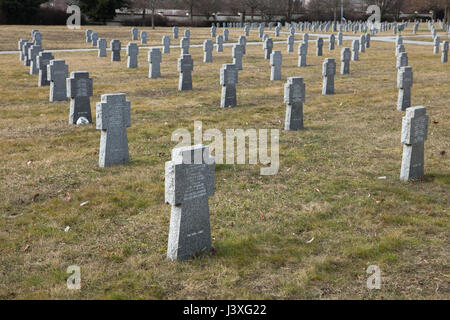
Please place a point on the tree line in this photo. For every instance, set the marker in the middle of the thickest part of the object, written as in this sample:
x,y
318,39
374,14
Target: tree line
x,y
20,11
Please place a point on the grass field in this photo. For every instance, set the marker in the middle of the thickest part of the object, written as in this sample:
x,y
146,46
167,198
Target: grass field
x,y
262,226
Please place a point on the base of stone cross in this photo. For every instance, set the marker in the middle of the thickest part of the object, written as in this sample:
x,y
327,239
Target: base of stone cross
x,y
412,162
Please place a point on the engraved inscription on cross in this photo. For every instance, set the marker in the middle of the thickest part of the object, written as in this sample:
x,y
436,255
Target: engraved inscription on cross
x,y
188,185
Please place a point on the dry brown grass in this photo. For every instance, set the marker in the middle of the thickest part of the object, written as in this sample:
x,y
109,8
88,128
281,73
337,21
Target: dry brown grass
x,y
327,187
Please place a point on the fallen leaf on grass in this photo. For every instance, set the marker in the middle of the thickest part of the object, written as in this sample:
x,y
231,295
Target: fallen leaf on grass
x,y
84,203
26,248
309,241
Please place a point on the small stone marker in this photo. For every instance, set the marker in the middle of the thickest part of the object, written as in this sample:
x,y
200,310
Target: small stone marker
x,y
113,119
33,53
276,59
219,43
57,72
79,89
94,37
187,34
175,32
302,54
185,68
362,43
243,42
132,53
332,42
134,34
268,46
43,61
444,56
294,96
22,42
189,182
319,47
208,47
345,60
143,37
225,34
37,38
154,58
355,50
237,53
213,31
26,53
368,40
116,47
340,38
228,81
88,35
437,43
166,44
328,72
102,44
414,135
404,84
184,45
290,43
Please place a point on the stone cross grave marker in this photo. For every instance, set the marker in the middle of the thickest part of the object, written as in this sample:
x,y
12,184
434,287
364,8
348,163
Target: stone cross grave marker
x,y
154,58
404,84
116,47
57,72
102,44
237,53
143,37
402,60
225,34
345,60
88,35
187,34
132,53
414,135
437,43
328,72
26,53
276,59
340,38
362,43
302,54
22,43
219,43
113,118
42,61
268,46
185,68
368,40
175,32
134,34
294,97
166,44
33,53
332,42
355,50
79,90
94,37
242,40
208,47
400,49
184,45
188,185
444,56
213,31
290,43
319,47
228,81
